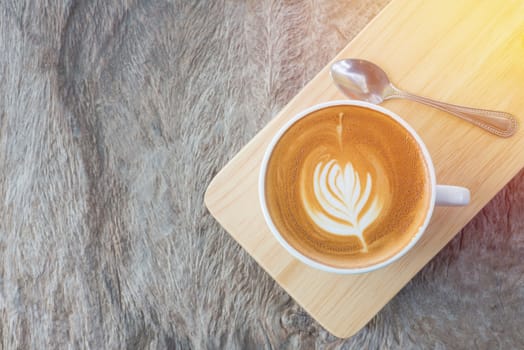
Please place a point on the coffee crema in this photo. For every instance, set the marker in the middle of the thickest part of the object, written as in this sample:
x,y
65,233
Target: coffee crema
x,y
347,186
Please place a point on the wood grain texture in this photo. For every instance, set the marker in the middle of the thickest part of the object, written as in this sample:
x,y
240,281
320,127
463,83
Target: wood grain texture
x,y
114,117
463,52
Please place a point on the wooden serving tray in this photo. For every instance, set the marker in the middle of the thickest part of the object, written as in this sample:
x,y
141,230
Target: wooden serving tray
x,y
462,52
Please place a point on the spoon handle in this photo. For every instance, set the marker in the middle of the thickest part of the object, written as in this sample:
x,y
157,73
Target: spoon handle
x,y
499,123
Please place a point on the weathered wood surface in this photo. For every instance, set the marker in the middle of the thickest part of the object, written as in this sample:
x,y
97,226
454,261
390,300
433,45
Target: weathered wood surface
x,y
115,115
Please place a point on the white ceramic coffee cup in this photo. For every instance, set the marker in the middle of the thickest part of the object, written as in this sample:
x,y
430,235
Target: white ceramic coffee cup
x,y
440,194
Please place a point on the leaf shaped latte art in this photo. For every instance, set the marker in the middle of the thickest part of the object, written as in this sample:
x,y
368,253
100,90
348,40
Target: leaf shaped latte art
x,y
341,199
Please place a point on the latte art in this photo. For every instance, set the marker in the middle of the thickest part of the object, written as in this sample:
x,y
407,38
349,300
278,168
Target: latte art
x,y
347,186
341,199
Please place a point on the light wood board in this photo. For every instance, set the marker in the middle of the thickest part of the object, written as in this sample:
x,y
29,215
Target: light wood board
x,y
462,52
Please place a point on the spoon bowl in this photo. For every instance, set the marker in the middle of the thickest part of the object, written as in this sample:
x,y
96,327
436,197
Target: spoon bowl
x,y
361,80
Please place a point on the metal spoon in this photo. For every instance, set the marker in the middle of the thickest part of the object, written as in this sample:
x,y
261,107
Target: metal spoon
x,y
363,80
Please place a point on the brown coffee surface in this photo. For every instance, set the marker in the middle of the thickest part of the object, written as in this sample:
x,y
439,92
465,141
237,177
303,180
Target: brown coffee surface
x,y
347,186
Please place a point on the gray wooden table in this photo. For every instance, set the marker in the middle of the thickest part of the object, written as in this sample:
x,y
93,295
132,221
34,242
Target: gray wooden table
x,y
114,117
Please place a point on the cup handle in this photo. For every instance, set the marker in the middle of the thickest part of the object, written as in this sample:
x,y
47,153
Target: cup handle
x,y
453,196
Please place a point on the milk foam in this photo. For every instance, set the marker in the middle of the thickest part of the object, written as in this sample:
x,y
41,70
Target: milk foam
x,y
341,197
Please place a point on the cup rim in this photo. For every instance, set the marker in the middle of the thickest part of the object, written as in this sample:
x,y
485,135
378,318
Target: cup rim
x,y
294,252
